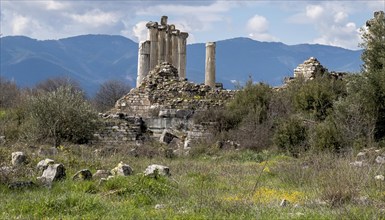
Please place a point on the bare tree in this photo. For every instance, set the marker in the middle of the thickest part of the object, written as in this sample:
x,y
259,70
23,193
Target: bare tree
x,y
109,92
9,93
52,84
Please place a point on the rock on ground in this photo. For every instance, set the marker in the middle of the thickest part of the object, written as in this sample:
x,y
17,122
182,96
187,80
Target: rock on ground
x,y
54,172
84,174
43,164
18,158
155,170
122,170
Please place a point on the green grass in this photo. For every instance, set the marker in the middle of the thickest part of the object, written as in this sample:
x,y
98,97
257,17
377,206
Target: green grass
x,y
226,185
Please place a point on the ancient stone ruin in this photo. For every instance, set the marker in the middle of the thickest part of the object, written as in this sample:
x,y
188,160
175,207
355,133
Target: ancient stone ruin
x,y
167,44
164,44
309,69
163,101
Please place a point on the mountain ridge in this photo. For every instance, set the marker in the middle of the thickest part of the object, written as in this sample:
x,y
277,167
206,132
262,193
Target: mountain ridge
x,y
92,59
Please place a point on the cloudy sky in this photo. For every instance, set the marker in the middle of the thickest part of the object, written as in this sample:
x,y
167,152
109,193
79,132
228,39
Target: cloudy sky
x,y
292,22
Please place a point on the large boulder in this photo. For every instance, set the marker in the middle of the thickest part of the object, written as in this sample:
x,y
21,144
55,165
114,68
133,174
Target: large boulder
x,y
43,164
122,170
155,170
18,158
84,174
54,172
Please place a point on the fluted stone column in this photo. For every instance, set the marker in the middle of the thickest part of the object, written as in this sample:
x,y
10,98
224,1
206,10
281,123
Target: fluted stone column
x,y
153,37
143,61
182,54
174,48
210,64
161,43
168,54
163,20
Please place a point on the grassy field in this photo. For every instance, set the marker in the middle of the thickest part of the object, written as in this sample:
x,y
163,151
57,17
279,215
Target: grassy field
x,y
211,185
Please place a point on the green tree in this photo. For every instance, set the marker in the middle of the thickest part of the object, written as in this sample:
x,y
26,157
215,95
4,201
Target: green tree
x,y
291,135
62,115
315,97
252,101
374,65
373,37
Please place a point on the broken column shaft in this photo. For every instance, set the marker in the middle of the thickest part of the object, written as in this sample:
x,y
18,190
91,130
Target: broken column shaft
x,y
168,48
174,48
143,61
182,54
210,64
153,37
161,43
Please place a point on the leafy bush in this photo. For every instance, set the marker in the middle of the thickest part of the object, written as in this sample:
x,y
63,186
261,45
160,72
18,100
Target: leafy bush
x,y
316,97
253,99
62,115
326,136
291,135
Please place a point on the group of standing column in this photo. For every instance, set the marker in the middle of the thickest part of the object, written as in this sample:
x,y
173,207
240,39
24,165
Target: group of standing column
x,y
167,44
164,44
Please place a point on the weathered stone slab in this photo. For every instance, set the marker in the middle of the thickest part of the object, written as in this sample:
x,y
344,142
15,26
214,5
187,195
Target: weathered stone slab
x,y
18,158
155,170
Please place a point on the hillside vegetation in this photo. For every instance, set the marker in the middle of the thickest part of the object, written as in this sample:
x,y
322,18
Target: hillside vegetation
x,y
312,150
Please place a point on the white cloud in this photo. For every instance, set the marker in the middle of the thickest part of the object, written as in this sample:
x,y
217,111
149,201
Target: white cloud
x,y
54,5
314,11
19,24
345,36
340,17
140,31
331,21
95,18
258,28
257,24
193,17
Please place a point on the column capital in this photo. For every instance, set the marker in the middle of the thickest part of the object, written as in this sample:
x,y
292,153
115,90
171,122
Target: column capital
x,y
210,44
175,32
163,20
151,25
162,27
183,35
170,28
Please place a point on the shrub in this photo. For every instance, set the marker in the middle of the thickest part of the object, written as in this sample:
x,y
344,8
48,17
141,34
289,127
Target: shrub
x,y
326,136
223,119
291,136
316,97
254,99
62,115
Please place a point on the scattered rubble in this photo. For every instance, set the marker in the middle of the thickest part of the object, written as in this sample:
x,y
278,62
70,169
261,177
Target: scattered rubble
x,y
18,158
155,170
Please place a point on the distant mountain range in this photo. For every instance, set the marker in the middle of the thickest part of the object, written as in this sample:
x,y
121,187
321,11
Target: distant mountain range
x,y
92,59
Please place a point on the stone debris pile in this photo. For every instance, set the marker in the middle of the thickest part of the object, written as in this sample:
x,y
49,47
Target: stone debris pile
x,y
163,89
309,69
